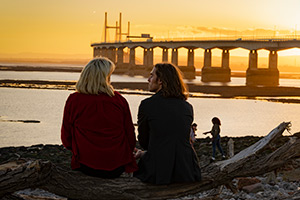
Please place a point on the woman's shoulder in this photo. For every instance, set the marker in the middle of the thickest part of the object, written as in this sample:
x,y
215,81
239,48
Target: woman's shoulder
x,y
73,95
119,96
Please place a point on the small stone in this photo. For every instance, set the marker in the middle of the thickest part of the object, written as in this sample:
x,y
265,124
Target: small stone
x,y
253,188
271,178
242,182
280,194
292,175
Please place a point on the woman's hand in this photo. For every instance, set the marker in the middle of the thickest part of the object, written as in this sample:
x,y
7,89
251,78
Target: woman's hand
x,y
137,153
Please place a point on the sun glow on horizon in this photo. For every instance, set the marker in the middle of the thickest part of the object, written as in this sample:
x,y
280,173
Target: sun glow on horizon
x,y
61,28
290,52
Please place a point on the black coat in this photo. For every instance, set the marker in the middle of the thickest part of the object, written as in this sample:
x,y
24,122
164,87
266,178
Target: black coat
x,y
164,126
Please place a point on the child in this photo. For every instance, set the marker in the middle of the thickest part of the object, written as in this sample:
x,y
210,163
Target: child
x,y
215,132
193,133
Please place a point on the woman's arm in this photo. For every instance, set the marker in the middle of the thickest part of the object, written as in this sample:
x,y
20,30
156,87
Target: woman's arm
x,y
129,128
66,128
206,132
143,127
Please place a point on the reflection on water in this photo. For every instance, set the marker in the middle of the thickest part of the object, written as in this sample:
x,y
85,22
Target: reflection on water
x,y
240,117
235,81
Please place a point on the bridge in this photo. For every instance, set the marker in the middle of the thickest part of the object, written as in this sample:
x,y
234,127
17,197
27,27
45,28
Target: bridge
x,y
254,75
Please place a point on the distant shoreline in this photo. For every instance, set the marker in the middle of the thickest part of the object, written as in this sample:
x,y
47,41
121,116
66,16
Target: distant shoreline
x,y
74,68
274,94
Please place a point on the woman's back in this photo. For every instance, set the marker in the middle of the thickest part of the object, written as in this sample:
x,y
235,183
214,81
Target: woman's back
x,y
97,125
102,130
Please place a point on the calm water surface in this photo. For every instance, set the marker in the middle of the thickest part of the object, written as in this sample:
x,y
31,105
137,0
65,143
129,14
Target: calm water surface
x,y
239,117
235,81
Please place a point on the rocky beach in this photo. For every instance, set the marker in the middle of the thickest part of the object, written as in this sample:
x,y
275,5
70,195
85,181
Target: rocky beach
x,y
282,183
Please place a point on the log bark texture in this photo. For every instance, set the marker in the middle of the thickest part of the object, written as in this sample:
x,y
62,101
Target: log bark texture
x,y
255,160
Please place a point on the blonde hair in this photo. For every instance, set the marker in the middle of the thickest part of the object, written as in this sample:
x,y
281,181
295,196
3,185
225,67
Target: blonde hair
x,y
95,77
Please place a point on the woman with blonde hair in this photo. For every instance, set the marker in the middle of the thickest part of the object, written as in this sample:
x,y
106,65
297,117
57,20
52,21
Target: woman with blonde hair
x,y
97,125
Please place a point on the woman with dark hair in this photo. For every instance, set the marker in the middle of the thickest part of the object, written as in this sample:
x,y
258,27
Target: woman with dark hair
x,y
172,84
215,132
164,123
97,126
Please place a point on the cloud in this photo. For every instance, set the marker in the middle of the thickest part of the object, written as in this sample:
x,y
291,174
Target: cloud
x,y
226,32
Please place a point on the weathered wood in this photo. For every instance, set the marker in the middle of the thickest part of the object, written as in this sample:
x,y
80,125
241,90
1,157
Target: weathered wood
x,y
230,146
75,185
19,175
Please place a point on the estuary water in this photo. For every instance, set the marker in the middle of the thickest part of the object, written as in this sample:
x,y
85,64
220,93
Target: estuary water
x,y
239,117
72,76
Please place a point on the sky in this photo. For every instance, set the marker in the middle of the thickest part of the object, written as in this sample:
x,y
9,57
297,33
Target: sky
x,y
67,27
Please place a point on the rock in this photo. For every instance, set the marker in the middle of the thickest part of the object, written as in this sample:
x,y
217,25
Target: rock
x,y
280,194
245,181
38,194
291,175
271,178
289,186
257,187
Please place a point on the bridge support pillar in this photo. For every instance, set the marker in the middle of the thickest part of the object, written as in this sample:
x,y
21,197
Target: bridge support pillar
x,y
101,52
225,59
273,57
215,74
150,57
120,54
190,61
189,71
145,60
132,64
207,58
165,55
104,52
175,56
132,56
149,64
121,67
111,54
253,59
97,52
264,77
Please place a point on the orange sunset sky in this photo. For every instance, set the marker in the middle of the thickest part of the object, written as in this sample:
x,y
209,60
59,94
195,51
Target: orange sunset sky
x,y
66,28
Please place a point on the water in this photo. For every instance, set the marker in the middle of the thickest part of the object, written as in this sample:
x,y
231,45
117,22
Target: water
x,y
235,81
58,76
239,117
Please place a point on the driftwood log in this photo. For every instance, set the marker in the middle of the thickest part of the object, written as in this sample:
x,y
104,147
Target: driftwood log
x,y
255,160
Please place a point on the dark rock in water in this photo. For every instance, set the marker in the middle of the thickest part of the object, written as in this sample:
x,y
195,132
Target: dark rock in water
x,y
20,120
30,121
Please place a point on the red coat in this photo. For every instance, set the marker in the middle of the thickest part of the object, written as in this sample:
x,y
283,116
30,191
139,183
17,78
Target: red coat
x,y
98,129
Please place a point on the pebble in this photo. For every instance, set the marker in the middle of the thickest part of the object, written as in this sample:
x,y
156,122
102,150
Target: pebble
x,y
281,190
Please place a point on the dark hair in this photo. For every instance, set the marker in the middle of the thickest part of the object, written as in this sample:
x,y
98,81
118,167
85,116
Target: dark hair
x,y
194,124
216,120
172,81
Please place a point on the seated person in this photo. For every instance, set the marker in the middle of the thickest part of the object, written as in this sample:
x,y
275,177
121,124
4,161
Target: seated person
x,y
97,125
164,124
